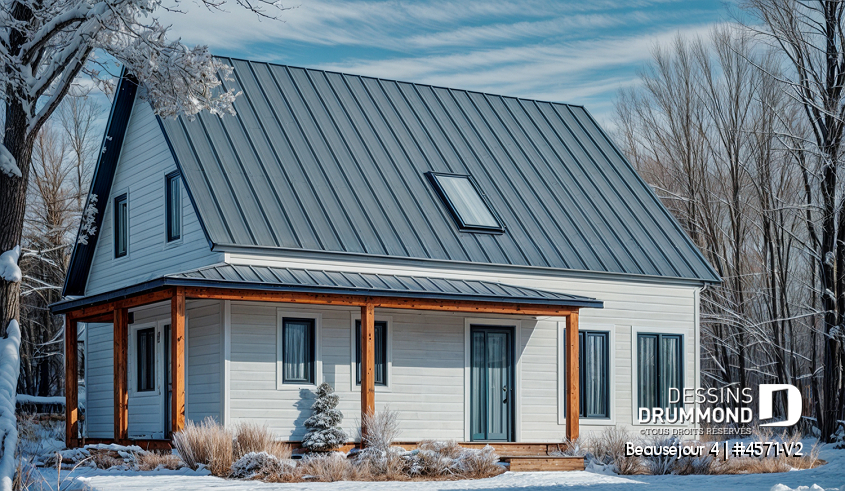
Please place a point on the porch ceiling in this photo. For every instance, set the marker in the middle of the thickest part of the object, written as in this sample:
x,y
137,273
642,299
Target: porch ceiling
x,y
269,278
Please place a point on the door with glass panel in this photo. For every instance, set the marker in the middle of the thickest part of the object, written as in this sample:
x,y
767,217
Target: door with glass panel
x,y
491,383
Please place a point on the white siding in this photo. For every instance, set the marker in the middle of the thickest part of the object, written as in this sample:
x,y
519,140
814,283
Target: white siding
x,y
204,360
99,381
146,410
144,161
427,384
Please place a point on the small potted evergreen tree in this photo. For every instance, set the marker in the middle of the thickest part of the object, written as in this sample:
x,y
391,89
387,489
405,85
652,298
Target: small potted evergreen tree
x,y
324,432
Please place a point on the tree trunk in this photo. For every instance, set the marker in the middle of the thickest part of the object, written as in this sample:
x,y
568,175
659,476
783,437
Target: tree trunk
x,y
13,204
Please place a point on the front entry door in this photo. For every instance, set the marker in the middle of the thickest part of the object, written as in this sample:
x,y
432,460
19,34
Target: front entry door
x,y
491,383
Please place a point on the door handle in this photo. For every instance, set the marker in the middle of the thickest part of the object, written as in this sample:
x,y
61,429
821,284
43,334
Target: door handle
x,y
505,390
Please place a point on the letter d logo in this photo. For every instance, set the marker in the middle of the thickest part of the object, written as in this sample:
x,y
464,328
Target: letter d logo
x,y
793,397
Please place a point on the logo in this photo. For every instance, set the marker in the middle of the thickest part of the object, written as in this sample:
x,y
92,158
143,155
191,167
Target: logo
x,y
794,401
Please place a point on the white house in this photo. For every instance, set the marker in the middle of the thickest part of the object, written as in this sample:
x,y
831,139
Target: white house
x,y
448,238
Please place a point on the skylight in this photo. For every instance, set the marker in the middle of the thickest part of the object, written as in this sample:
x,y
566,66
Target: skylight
x,y
468,206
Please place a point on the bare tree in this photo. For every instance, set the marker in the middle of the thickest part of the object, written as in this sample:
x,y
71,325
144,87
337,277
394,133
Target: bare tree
x,y
810,36
78,115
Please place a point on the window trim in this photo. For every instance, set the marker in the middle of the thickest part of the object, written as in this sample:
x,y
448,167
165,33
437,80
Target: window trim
x,y
170,176
635,396
582,386
610,329
459,221
317,366
353,365
123,197
138,365
132,355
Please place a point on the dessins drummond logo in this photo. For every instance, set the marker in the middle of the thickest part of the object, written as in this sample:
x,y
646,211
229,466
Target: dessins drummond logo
x,y
738,406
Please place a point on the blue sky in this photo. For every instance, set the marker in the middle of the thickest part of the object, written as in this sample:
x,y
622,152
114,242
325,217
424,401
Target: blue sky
x,y
580,52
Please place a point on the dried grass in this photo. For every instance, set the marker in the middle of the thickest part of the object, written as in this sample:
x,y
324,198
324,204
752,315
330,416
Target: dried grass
x,y
207,443
150,461
252,437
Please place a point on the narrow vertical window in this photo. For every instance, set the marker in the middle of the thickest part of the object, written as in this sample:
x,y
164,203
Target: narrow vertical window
x,y
121,225
298,351
594,374
659,368
146,359
380,354
173,206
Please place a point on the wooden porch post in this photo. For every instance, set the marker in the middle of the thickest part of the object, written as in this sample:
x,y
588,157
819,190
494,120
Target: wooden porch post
x,y
71,383
177,360
121,394
573,404
368,348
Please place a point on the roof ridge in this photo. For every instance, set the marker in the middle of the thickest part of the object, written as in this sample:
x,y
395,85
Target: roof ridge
x,y
382,79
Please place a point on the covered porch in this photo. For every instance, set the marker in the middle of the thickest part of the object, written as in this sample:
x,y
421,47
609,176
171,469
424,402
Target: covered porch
x,y
368,294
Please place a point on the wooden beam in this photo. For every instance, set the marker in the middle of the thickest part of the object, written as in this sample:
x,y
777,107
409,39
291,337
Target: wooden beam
x,y
475,307
177,360
121,393
84,314
573,404
71,384
368,348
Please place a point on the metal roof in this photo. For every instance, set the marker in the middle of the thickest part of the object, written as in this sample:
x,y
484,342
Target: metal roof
x,y
388,285
340,282
324,161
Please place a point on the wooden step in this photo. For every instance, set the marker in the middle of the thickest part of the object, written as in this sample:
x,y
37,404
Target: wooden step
x,y
537,463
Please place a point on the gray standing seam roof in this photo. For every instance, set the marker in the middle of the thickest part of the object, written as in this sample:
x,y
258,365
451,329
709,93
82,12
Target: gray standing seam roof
x,y
324,161
372,284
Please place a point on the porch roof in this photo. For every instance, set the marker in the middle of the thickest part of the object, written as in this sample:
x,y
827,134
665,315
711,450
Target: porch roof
x,y
268,278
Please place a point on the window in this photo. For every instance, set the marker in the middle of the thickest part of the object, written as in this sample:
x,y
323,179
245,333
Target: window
x,y
594,374
380,354
466,203
146,360
173,206
298,351
659,368
121,225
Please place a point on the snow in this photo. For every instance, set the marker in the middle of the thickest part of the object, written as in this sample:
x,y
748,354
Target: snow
x,y
28,399
9,269
9,369
87,228
8,165
828,477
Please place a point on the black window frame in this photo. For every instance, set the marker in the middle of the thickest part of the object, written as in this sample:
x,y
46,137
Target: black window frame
x,y
381,340
582,374
312,350
459,221
662,395
121,232
173,232
145,363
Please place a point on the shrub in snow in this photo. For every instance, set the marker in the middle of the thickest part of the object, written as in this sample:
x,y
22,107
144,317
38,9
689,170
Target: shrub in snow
x,y
324,424
439,458
256,465
379,456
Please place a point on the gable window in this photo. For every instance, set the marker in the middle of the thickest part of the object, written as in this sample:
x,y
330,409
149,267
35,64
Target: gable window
x,y
146,360
173,206
380,352
468,206
298,351
121,225
659,368
594,374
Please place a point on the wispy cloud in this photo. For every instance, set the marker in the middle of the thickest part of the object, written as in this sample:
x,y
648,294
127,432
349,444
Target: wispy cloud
x,y
574,51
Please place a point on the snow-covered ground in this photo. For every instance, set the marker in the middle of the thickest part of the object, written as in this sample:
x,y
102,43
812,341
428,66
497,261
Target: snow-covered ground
x,y
828,477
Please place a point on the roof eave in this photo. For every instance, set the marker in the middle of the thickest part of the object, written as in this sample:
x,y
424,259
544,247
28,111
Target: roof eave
x,y
122,293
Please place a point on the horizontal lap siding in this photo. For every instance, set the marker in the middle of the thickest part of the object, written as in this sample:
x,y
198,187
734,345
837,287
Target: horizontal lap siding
x,y
426,381
99,381
144,161
204,365
427,386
